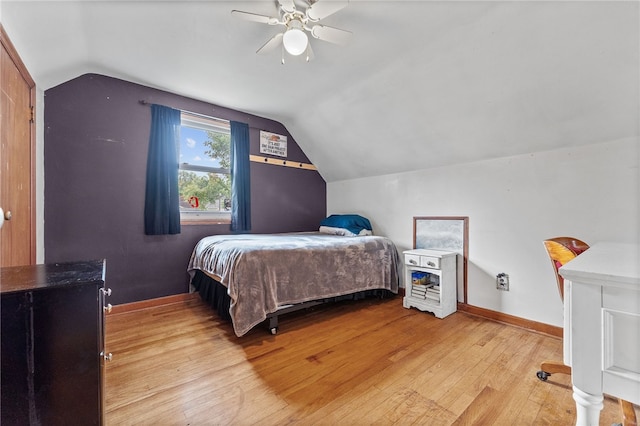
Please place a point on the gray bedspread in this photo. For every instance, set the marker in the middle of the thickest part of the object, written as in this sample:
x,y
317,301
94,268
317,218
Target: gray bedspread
x,y
265,271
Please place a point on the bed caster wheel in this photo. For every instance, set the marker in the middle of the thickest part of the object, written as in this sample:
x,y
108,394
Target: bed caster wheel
x,y
542,375
274,330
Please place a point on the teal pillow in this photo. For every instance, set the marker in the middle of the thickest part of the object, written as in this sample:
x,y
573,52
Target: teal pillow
x,y
353,222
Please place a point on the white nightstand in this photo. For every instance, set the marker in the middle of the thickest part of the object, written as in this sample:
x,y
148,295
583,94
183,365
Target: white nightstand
x,y
430,281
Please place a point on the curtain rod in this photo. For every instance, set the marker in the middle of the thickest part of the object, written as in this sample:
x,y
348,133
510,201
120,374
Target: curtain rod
x,y
198,114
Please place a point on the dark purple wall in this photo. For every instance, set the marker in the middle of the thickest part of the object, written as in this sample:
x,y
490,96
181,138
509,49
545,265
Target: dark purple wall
x,y
95,156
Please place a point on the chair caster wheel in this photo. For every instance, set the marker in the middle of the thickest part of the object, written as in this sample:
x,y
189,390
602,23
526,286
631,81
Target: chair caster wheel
x,y
542,375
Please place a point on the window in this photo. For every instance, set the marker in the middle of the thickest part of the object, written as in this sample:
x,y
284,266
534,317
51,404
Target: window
x,y
204,176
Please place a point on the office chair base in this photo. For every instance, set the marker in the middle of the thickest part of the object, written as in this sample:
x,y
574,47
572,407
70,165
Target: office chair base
x,y
543,375
548,368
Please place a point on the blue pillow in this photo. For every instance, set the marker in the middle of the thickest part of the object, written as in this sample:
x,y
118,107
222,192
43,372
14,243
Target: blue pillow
x,y
353,222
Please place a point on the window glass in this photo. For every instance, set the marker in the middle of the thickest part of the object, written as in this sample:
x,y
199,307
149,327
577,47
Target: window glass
x,y
204,178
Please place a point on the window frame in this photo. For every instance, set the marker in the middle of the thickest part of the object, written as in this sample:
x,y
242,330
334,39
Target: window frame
x,y
205,123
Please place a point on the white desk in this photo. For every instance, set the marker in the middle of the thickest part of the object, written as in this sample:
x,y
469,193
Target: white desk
x,y
602,326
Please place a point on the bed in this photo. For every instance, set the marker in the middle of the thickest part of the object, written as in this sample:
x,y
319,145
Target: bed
x,y
259,276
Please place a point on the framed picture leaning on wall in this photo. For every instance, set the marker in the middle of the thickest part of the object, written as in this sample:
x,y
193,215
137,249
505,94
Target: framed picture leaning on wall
x,y
449,233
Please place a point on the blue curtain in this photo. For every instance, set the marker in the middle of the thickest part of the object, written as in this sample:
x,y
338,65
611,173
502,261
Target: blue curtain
x,y
161,207
240,182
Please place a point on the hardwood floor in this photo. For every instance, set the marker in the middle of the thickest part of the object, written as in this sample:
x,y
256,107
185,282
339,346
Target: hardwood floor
x,y
353,363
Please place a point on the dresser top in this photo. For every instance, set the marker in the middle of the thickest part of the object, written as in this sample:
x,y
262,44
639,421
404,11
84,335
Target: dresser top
x,y
37,277
430,252
614,263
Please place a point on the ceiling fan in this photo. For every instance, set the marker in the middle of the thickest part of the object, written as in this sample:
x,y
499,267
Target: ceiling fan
x,y
298,23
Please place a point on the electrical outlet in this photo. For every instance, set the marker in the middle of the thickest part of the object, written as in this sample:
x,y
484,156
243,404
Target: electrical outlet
x,y
502,281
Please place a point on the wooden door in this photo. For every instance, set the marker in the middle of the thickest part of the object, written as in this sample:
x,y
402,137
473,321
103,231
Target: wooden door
x,y
17,159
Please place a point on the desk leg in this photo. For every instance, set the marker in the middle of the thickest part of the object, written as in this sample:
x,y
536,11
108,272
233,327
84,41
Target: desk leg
x,y
588,408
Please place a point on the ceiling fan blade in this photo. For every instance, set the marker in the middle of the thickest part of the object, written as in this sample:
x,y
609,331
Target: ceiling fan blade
x,y
321,9
287,5
330,34
254,17
270,45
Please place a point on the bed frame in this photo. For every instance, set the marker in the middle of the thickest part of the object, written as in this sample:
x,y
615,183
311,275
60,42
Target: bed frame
x,y
215,294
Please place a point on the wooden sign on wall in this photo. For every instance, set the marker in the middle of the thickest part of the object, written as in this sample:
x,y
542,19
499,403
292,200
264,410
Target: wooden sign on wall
x,y
273,144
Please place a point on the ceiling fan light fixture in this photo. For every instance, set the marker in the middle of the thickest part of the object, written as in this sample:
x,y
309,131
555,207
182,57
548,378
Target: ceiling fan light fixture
x,y
295,41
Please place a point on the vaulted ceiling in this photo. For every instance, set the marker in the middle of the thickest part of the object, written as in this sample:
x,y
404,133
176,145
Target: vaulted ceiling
x,y
421,83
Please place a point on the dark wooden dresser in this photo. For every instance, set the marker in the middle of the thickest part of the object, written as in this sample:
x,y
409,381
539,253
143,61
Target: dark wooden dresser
x,y
53,354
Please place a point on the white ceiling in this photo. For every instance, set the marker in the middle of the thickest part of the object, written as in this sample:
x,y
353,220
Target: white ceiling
x,y
421,84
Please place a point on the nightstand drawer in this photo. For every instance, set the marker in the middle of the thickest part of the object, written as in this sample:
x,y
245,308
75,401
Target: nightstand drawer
x,y
422,261
430,262
412,259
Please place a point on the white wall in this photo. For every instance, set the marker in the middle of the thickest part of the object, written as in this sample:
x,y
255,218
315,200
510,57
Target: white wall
x,y
513,204
39,175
